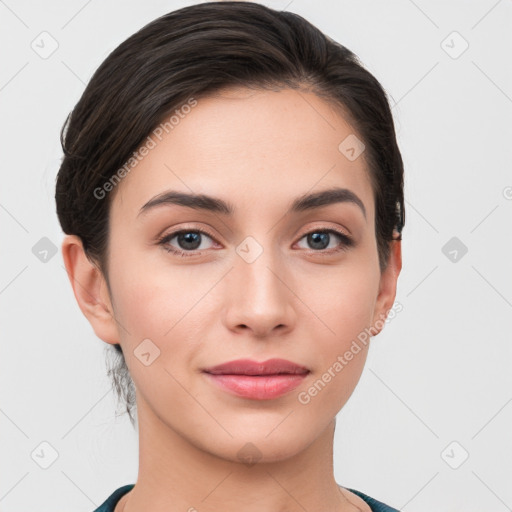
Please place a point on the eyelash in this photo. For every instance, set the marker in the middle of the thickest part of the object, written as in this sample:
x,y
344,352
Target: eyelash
x,y
346,242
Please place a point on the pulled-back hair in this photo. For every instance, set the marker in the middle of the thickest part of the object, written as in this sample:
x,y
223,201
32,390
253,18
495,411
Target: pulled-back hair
x,y
191,53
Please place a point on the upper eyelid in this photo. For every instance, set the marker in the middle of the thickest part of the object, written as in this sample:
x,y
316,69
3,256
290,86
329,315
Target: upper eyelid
x,y
323,227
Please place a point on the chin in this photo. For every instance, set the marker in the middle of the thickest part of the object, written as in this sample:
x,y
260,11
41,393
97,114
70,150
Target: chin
x,y
261,443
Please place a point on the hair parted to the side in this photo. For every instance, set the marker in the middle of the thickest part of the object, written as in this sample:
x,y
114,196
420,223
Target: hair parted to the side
x,y
193,52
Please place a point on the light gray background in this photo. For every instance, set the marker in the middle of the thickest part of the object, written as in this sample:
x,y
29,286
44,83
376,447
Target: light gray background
x,y
438,373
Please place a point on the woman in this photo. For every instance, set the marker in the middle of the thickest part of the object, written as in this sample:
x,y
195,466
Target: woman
x,y
232,195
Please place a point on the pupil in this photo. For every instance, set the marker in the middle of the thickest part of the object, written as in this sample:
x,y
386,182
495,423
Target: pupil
x,y
319,238
185,239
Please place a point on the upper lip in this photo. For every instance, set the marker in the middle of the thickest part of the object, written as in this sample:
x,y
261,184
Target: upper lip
x,y
249,367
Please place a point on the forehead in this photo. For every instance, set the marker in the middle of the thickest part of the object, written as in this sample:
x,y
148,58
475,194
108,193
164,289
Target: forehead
x,y
254,148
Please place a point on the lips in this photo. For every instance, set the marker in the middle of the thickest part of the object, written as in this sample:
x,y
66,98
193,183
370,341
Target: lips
x,y
249,367
257,380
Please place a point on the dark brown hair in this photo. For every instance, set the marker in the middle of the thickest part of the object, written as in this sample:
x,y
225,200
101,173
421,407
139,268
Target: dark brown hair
x,y
193,52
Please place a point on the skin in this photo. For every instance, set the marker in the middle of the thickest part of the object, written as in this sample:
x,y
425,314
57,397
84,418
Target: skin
x,y
258,150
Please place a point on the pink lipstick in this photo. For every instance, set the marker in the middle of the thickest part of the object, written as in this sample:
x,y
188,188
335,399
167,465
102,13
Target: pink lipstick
x,y
257,380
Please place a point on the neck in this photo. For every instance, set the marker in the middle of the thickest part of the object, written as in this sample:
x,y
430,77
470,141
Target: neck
x,y
176,475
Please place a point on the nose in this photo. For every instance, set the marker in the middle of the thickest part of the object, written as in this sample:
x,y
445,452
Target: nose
x,y
260,297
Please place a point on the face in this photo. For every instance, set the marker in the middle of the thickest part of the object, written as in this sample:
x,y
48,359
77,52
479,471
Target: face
x,y
264,281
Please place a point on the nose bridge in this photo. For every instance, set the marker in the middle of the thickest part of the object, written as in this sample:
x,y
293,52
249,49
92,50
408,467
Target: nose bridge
x,y
259,277
257,268
260,299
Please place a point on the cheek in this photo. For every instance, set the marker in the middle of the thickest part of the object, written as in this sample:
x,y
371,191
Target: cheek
x,y
150,310
145,308
150,298
165,305
341,303
342,348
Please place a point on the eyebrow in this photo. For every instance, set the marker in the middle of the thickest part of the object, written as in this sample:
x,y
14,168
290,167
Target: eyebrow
x,y
204,202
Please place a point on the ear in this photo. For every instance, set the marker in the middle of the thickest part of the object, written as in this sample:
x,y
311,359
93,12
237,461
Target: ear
x,y
90,289
387,287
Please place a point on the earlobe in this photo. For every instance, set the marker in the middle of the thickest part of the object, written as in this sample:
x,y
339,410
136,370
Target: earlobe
x,y
387,287
90,289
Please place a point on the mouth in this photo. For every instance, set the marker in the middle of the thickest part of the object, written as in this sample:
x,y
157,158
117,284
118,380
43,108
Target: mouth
x,y
249,367
257,380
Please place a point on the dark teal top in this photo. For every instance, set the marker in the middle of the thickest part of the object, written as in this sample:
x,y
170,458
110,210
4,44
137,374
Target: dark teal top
x,y
109,504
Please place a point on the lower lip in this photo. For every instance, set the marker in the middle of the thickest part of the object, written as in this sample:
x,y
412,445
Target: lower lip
x,y
265,387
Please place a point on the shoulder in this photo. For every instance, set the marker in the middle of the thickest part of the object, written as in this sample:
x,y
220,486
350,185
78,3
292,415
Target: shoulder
x,y
361,499
110,503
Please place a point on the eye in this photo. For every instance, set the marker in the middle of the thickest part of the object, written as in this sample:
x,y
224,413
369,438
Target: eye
x,y
189,242
320,240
